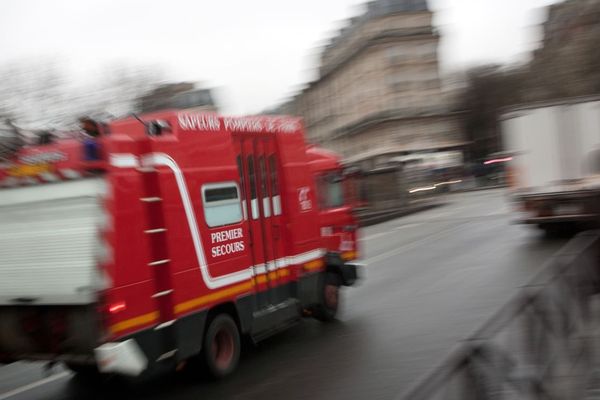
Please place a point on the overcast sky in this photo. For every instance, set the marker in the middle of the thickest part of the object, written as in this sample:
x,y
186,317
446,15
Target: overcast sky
x,y
256,52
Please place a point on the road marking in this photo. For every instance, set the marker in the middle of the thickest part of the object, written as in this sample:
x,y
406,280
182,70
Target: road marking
x,y
376,235
407,226
440,215
497,213
397,228
34,385
411,245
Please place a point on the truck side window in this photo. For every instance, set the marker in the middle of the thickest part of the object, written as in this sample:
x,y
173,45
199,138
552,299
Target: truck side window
x,y
276,200
274,180
221,204
263,186
252,177
238,161
242,185
263,176
330,191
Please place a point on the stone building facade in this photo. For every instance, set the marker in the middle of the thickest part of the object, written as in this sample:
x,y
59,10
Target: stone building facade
x,y
378,94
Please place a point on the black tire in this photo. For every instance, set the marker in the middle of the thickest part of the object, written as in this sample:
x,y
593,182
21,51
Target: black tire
x,y
83,369
560,230
86,372
329,303
221,347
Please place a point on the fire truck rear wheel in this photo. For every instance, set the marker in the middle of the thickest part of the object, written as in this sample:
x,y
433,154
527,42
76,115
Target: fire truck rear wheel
x,y
84,371
327,309
221,352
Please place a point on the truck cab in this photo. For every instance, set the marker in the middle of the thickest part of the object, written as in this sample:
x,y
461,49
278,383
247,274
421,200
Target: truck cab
x,y
336,201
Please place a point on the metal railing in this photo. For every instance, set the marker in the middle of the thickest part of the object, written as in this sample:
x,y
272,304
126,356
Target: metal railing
x,y
541,345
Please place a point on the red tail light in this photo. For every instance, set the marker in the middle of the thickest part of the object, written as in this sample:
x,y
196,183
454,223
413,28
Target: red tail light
x,y
117,307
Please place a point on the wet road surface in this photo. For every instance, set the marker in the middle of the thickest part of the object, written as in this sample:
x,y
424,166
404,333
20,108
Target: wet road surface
x,y
432,278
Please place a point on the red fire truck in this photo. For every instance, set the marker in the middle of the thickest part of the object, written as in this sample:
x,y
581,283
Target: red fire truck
x,y
166,237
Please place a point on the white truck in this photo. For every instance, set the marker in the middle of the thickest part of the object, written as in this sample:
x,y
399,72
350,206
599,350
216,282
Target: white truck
x,y
553,153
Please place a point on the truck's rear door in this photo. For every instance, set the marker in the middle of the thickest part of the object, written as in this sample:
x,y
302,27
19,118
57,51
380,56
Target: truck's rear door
x,y
49,243
50,249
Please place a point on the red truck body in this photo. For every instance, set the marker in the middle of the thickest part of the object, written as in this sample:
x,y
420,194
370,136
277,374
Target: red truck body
x,y
202,216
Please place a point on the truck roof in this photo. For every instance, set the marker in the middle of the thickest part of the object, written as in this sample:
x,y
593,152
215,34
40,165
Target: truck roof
x,y
64,159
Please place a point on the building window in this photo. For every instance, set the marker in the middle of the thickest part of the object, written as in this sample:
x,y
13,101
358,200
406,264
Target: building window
x,y
221,204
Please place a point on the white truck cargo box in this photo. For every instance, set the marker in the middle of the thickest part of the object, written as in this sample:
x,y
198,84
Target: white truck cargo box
x,y
552,144
554,172
57,227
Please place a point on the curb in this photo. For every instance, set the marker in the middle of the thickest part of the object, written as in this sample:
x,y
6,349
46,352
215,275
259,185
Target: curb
x,y
386,216
480,188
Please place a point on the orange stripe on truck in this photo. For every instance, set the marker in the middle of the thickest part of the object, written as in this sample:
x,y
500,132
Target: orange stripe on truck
x,y
209,298
241,288
316,264
182,307
135,322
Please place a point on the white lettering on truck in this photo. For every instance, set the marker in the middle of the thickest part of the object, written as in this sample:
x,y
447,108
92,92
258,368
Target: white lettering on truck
x,y
212,123
202,122
304,199
219,250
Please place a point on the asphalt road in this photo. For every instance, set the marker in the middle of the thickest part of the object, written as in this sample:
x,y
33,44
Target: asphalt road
x,y
432,278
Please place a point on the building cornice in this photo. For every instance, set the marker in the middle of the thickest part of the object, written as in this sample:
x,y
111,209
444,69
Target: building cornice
x,y
404,149
382,37
379,38
372,120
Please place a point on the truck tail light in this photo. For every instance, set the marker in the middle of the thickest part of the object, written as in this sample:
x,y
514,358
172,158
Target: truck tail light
x,y
117,307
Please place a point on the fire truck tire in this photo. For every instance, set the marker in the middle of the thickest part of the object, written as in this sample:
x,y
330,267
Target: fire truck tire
x,y
559,230
84,371
221,350
327,308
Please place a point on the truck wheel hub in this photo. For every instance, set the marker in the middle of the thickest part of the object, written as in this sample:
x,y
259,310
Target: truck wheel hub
x,y
222,349
331,296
